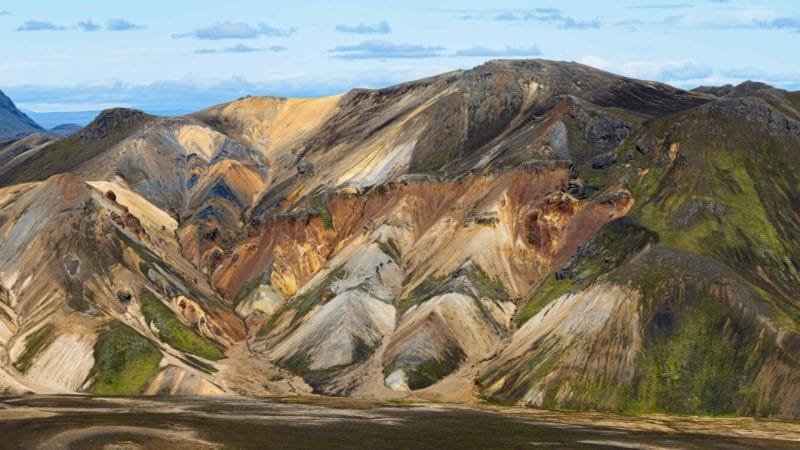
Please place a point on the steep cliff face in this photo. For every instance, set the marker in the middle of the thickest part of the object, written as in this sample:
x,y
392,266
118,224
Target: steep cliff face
x,y
527,231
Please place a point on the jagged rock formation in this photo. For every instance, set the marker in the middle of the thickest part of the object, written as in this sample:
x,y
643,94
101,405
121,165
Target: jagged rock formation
x,y
530,232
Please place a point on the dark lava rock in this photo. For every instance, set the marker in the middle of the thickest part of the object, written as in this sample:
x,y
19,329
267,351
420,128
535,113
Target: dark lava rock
x,y
72,264
604,161
566,273
481,218
619,198
211,235
124,297
581,190
575,190
601,129
591,187
216,257
646,144
305,169
369,226
753,110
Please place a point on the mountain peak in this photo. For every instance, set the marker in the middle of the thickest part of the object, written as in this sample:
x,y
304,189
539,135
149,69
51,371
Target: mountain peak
x,y
13,122
5,102
750,84
109,120
751,88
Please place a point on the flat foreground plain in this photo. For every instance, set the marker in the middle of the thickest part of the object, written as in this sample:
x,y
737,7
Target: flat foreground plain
x,y
55,422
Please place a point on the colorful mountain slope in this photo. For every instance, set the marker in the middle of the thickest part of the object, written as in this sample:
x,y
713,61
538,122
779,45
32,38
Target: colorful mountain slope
x,y
529,232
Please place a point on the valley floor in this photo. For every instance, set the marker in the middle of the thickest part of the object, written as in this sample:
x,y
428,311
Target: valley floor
x,y
54,422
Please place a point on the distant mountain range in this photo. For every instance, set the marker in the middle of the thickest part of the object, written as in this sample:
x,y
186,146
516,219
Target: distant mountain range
x,y
525,232
50,120
13,122
16,122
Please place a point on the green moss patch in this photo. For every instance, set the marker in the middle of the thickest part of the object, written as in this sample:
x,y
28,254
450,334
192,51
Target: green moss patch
x,y
245,291
420,293
546,293
613,245
147,258
173,331
325,216
124,362
435,369
700,355
299,363
320,293
390,249
303,303
743,177
745,221
518,381
34,345
101,254
428,372
486,286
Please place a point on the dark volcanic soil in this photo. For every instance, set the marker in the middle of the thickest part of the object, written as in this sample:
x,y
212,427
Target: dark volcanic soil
x,y
84,422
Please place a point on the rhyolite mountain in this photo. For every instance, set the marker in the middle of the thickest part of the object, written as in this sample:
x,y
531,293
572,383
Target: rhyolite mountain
x,y
13,122
531,232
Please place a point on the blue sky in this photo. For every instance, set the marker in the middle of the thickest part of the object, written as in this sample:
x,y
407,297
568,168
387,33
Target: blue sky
x,y
176,55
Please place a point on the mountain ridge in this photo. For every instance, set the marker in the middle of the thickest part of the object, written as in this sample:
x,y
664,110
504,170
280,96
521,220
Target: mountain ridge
x,y
13,122
531,232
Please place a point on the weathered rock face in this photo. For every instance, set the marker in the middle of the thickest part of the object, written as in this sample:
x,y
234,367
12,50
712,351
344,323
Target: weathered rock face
x,y
527,231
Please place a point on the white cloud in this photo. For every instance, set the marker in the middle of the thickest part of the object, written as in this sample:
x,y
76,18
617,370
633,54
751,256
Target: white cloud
x,y
235,30
498,52
365,28
385,50
690,73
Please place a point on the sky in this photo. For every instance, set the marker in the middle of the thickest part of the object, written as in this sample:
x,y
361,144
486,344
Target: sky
x,y
187,55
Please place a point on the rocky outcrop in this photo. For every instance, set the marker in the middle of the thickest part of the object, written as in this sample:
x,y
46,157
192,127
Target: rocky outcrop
x,y
752,110
108,121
